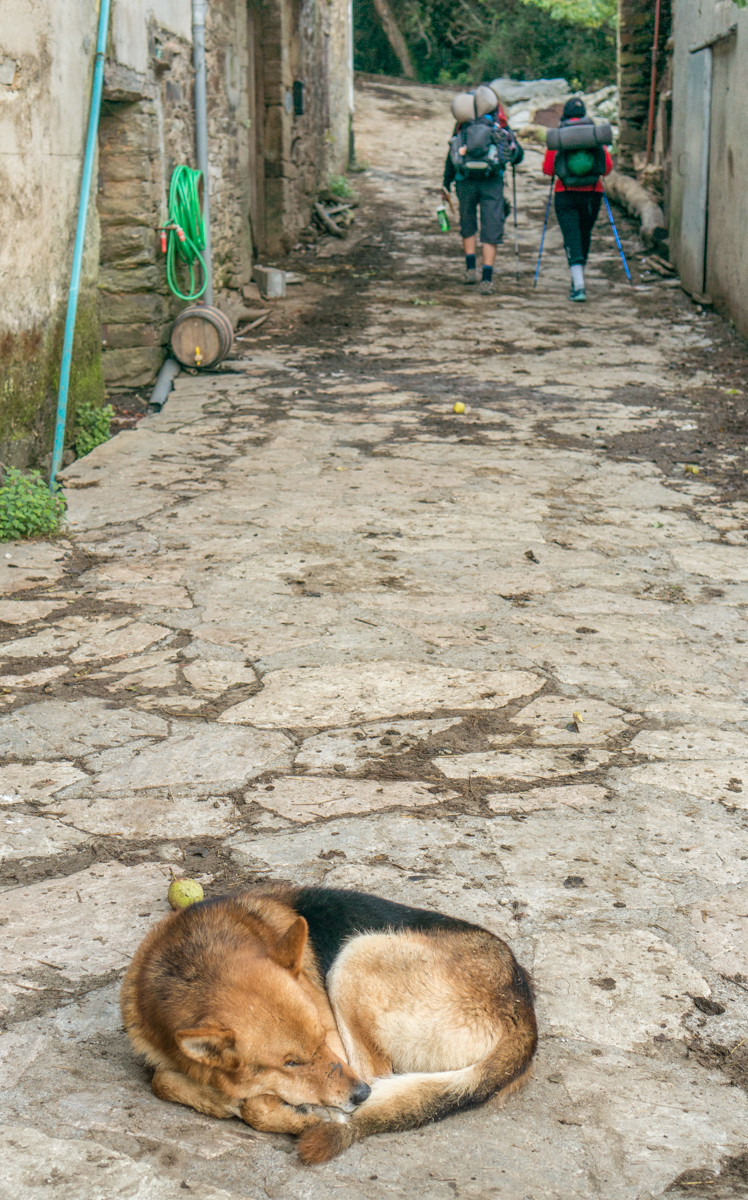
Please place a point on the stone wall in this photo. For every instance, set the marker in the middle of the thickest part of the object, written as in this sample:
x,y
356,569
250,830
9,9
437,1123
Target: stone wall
x,y
266,163
636,28
45,74
147,129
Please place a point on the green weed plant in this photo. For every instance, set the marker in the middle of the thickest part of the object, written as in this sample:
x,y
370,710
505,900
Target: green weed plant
x,y
91,427
27,507
340,187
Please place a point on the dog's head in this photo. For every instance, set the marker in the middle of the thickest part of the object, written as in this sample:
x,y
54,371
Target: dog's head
x,y
264,1034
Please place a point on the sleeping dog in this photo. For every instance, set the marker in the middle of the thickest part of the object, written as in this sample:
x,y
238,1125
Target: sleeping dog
x,y
327,1014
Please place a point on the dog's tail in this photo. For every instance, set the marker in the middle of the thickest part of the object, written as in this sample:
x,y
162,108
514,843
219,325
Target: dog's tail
x,y
400,1102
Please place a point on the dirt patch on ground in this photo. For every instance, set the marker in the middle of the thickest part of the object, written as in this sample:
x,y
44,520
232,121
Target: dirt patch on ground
x,y
732,1181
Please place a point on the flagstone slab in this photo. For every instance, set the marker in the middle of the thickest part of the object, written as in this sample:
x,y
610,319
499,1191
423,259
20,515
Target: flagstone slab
x,y
135,815
53,642
122,640
216,675
351,692
100,916
714,561
311,799
353,750
691,743
36,782
205,757
33,679
583,795
160,595
721,928
518,764
81,1169
23,836
614,988
20,612
582,864
25,565
552,721
725,780
68,728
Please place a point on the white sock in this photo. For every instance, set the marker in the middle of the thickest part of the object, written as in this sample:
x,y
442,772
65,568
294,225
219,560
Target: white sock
x,y
577,277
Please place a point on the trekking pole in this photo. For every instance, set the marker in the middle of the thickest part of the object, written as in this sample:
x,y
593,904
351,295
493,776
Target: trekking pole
x,y
618,242
514,205
545,226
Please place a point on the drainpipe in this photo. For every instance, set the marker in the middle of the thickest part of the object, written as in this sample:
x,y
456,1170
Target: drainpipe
x,y
653,82
199,9
80,238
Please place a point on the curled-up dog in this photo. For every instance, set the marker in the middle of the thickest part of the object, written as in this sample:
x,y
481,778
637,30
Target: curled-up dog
x,y
328,1014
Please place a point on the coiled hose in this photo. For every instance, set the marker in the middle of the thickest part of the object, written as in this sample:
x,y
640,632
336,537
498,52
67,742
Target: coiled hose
x,y
186,231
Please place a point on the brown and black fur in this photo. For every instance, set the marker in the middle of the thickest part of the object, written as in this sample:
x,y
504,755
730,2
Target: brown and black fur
x,y
393,1016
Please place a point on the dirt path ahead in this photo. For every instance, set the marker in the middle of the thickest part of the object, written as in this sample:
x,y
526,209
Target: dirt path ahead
x,y
309,624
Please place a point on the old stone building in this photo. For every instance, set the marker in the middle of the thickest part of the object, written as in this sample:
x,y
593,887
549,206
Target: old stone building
x,y
709,153
279,108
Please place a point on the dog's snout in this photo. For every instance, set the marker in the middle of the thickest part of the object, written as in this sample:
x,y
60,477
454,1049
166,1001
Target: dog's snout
x,y
361,1092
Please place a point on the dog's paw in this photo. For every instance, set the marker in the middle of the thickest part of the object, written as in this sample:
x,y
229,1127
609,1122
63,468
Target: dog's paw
x,y
326,1141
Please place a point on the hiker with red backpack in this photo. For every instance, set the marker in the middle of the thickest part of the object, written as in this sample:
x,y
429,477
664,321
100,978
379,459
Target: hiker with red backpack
x,y
579,193
481,148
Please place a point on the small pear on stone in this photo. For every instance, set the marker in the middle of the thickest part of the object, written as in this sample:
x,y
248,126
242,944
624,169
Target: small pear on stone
x,y
184,892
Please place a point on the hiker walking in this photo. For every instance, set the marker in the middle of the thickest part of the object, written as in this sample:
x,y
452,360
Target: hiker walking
x,y
579,192
479,151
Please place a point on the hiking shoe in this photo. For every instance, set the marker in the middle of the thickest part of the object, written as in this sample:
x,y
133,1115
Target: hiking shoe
x,y
486,287
471,276
578,294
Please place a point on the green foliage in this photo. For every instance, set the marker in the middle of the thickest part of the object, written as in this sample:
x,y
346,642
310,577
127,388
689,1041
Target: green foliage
x,y
91,427
593,14
27,507
461,43
340,187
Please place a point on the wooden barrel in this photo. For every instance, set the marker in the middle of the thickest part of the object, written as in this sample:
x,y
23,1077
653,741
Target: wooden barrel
x,y
201,336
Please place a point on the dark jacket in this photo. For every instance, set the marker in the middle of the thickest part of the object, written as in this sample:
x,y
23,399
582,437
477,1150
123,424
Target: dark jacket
x,y
515,158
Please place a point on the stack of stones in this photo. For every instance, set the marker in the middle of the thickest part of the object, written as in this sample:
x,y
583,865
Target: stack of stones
x,y
136,307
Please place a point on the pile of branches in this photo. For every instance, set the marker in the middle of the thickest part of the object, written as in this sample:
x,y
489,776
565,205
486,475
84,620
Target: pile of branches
x,y
333,215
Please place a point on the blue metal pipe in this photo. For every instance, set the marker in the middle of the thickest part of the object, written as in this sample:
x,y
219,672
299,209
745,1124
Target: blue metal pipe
x,y
80,237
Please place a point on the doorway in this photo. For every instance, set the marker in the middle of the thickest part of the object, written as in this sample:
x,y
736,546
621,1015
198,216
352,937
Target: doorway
x,y
256,128
694,166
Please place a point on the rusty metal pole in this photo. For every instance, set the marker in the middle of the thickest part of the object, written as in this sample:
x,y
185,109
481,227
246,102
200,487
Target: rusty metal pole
x,y
653,83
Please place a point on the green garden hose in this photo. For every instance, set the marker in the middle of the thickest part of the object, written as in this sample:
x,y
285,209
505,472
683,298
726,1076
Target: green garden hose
x,y
185,230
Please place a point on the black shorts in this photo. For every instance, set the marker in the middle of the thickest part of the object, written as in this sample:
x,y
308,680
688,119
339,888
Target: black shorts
x,y
489,195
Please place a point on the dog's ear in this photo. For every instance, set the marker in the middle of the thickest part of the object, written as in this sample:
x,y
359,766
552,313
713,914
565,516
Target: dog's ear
x,y
288,950
211,1045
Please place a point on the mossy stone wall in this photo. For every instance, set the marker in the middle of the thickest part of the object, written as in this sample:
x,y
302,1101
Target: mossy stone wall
x,y
29,379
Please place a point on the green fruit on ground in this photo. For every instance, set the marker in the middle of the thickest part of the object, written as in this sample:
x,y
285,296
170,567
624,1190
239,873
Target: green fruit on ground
x,y
184,892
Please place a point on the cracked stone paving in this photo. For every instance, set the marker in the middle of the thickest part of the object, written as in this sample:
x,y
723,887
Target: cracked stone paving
x,y
306,623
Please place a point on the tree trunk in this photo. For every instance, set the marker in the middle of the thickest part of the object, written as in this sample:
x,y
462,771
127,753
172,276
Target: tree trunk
x,y
394,37
640,203
635,38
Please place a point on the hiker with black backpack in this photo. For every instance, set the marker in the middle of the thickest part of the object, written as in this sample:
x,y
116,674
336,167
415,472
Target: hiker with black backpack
x,y
579,193
480,150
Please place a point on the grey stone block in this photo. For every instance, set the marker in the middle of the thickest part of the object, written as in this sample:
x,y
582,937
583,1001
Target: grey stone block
x,y
270,281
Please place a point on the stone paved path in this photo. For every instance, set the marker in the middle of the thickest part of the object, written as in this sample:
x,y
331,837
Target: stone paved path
x,y
309,624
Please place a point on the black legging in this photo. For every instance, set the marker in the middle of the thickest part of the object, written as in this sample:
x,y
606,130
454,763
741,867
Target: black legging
x,y
577,213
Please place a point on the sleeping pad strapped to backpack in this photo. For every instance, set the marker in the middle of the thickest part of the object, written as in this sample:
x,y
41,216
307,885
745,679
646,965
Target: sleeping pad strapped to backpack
x,y
579,167
479,150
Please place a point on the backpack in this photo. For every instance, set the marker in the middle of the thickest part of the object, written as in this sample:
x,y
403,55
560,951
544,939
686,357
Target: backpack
x,y
580,168
479,151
